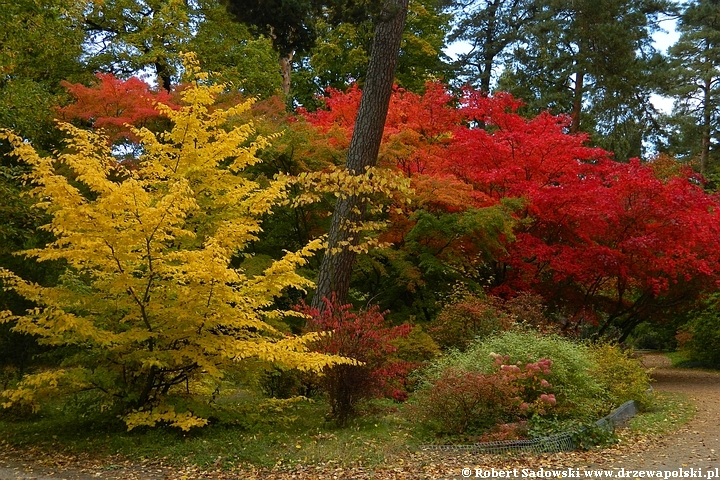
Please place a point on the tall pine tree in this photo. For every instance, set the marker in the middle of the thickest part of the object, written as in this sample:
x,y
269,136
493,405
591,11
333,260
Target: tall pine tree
x,y
591,59
695,83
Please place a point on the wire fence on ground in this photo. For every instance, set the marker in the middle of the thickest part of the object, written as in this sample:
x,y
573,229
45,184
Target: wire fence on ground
x,y
559,442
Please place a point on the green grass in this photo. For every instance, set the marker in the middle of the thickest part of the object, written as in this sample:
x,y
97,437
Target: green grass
x,y
668,412
677,358
298,433
683,359
379,435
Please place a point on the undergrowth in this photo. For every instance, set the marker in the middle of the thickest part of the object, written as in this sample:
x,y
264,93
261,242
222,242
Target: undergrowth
x,y
381,433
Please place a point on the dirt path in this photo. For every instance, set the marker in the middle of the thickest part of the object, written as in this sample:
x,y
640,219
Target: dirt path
x,y
695,447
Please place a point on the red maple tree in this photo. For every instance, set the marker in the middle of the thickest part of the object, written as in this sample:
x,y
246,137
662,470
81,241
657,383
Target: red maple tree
x,y
114,105
608,243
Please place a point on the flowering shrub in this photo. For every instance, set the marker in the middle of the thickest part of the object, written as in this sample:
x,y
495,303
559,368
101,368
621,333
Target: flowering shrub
x,y
460,402
364,337
579,395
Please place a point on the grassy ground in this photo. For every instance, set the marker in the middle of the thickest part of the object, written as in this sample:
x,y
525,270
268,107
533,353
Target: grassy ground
x,y
682,359
668,412
299,434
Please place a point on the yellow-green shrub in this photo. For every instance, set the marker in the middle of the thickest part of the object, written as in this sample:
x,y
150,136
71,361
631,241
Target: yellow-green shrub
x,y
623,377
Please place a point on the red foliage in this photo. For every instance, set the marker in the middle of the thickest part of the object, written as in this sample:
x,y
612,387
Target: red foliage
x,y
366,338
461,402
594,235
113,105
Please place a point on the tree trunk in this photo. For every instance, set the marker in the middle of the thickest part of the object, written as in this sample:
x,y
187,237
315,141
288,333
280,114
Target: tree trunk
x,y
490,53
164,75
285,70
706,126
577,102
337,264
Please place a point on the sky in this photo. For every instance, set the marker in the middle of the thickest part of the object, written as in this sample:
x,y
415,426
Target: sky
x,y
663,41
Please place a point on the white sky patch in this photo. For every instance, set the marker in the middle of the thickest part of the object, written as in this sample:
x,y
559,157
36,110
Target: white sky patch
x,y
663,40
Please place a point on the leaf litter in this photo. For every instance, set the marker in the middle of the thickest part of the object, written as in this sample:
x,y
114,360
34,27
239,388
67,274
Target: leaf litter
x,y
693,445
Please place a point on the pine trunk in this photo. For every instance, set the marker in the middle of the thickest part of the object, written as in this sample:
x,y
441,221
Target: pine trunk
x,y
285,71
337,264
706,126
577,102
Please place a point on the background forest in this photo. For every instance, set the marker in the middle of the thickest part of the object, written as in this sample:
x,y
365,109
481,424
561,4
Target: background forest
x,y
162,227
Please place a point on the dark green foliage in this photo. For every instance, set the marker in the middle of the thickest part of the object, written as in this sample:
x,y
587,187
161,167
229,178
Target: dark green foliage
x,y
693,81
278,382
439,251
340,54
593,60
233,54
657,336
491,27
705,329
291,24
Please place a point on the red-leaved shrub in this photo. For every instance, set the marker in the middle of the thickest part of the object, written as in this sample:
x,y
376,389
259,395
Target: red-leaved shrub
x,y
365,337
460,402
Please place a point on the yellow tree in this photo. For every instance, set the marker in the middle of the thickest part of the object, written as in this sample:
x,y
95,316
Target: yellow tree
x,y
150,300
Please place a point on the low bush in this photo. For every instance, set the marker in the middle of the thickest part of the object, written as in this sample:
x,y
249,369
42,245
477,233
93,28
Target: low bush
x,y
578,394
460,402
364,337
623,377
522,380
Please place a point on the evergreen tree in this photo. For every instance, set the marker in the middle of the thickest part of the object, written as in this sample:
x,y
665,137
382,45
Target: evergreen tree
x,y
490,27
695,84
591,59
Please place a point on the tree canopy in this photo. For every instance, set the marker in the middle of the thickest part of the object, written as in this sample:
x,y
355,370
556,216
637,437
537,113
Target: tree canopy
x,y
151,291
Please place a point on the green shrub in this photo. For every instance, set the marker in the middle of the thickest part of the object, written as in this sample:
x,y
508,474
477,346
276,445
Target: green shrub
x,y
279,382
705,330
623,377
578,394
417,347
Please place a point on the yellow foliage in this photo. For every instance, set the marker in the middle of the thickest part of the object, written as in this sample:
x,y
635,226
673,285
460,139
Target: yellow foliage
x,y
623,376
149,292
163,414
381,188
34,387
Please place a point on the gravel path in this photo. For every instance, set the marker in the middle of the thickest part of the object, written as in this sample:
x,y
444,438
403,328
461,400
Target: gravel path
x,y
695,448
